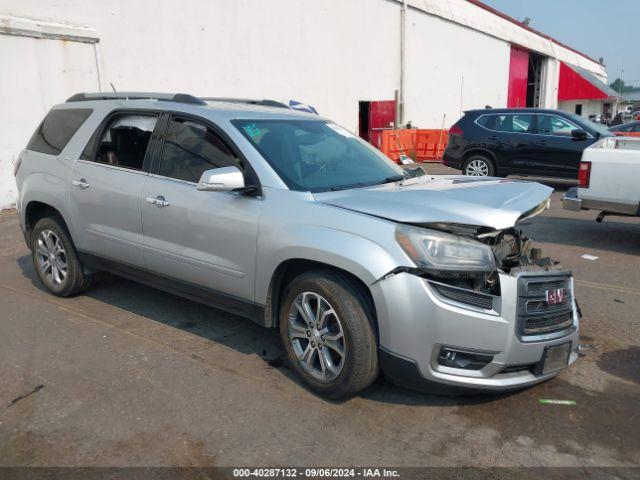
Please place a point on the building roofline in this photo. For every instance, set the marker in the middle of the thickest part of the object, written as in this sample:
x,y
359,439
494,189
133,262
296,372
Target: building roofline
x,y
517,22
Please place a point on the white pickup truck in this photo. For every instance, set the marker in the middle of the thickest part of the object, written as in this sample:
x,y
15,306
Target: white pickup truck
x,y
608,179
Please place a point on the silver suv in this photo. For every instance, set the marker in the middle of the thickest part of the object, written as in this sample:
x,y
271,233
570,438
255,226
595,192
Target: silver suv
x,y
295,223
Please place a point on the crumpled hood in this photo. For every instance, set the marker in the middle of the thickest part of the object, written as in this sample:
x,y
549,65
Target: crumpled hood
x,y
490,202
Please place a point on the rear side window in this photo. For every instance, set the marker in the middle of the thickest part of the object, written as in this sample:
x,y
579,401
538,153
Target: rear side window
x,y
191,148
514,123
125,140
56,130
487,121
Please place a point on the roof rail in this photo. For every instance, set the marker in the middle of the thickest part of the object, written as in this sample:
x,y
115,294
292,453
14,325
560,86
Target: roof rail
x,y
168,97
249,101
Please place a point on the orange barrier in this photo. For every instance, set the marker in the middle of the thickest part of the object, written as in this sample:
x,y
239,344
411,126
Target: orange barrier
x,y
421,145
430,145
627,134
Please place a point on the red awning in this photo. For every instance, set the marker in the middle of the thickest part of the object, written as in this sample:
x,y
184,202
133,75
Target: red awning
x,y
579,84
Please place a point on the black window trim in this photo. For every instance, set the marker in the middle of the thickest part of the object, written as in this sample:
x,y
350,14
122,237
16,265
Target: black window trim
x,y
106,121
250,175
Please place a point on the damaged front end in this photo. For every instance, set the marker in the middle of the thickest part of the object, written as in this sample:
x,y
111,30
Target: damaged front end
x,y
471,258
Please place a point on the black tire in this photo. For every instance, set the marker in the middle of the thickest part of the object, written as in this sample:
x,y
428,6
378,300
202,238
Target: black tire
x,y
75,280
360,361
480,162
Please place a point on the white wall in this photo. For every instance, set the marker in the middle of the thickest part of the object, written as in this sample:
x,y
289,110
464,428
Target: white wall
x,y
439,54
327,53
36,74
589,107
482,20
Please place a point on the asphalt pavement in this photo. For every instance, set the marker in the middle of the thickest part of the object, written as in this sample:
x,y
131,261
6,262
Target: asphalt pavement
x,y
127,375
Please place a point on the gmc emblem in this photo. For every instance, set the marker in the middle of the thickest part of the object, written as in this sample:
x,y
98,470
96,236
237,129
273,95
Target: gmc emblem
x,y
556,296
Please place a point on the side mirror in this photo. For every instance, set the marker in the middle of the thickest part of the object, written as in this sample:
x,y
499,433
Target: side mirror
x,y
578,134
224,179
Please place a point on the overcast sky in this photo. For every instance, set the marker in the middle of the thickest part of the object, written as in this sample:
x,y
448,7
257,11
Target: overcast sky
x,y
599,28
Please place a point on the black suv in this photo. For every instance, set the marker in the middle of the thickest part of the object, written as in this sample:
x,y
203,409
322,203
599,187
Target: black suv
x,y
498,142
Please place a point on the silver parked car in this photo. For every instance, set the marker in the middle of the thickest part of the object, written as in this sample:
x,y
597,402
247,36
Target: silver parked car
x,y
292,221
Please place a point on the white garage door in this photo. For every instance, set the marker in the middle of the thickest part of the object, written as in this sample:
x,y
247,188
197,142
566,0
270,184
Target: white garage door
x,y
36,74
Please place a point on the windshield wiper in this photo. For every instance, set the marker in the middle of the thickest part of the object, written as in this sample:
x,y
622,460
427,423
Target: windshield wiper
x,y
394,178
391,179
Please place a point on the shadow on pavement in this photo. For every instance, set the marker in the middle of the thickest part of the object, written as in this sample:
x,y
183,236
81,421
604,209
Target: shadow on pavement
x,y
232,331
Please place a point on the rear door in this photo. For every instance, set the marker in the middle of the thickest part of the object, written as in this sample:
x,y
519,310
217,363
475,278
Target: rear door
x,y
206,239
510,140
557,153
106,183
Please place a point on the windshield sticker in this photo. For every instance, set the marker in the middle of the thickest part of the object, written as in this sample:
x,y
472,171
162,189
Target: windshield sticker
x,y
340,130
252,130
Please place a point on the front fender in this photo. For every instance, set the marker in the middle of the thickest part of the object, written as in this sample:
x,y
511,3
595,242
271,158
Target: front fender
x,y
362,257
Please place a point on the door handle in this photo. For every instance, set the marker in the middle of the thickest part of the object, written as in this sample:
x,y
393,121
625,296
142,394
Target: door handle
x,y
493,137
541,142
81,184
159,201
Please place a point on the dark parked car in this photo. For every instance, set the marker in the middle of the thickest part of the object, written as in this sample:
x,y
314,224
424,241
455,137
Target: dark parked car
x,y
499,142
631,129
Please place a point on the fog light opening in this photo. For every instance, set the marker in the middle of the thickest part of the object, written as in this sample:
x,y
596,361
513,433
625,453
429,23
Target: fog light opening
x,y
449,357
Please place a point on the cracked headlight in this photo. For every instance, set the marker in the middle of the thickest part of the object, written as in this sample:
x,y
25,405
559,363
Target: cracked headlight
x,y
440,252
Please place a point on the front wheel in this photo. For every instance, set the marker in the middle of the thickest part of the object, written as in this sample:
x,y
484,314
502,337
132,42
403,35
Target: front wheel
x,y
478,166
326,329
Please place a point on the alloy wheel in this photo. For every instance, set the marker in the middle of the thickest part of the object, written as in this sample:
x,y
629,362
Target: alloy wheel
x,y
52,257
477,168
316,336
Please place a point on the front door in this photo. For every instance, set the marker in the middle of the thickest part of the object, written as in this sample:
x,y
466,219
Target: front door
x,y
557,153
106,182
207,239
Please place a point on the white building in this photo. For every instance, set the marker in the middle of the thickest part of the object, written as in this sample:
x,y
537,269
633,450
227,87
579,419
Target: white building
x,y
348,58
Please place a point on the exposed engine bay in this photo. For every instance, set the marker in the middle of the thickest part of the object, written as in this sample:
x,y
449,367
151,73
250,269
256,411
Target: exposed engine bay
x,y
513,252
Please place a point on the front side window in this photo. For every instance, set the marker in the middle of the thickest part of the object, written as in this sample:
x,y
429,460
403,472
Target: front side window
x,y
553,125
56,130
191,148
125,140
316,156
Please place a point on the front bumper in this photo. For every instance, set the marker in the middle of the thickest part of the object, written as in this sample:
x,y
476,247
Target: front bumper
x,y
415,322
451,161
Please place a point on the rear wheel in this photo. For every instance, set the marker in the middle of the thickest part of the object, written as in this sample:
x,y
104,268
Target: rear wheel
x,y
479,166
55,258
326,329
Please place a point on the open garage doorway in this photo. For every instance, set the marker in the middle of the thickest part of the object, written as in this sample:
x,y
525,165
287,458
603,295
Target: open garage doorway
x,y
525,78
374,117
534,80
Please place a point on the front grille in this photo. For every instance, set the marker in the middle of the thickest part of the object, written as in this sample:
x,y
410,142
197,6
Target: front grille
x,y
539,287
535,315
546,324
469,297
541,306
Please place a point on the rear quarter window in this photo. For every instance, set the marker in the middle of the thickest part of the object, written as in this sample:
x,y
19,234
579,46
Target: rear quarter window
x,y
57,128
487,121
